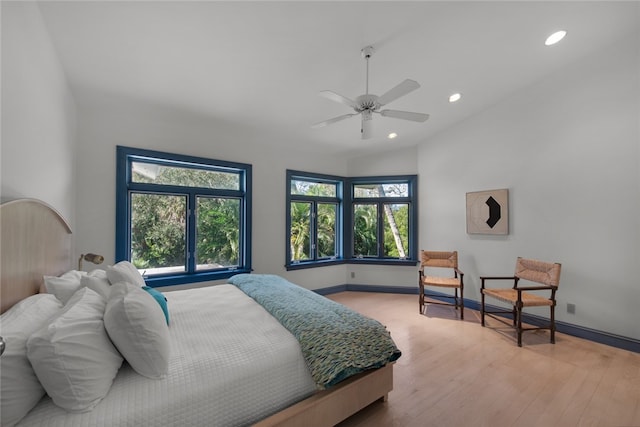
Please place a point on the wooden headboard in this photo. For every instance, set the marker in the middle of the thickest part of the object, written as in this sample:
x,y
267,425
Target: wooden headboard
x,y
35,241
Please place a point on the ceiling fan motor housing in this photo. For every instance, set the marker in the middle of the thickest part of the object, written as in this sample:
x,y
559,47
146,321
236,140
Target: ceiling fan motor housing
x,y
367,102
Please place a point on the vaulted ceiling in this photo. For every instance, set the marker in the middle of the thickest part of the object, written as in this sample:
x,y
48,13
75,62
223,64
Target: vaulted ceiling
x,y
258,66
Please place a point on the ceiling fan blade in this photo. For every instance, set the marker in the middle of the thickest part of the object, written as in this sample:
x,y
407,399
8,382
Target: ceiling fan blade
x,y
400,90
367,128
405,115
335,119
338,98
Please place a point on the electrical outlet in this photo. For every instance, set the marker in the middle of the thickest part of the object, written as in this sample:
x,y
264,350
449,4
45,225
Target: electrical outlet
x,y
571,308
353,274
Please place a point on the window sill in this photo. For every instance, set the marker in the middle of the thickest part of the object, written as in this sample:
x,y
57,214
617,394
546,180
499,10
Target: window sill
x,y
183,279
370,261
378,261
313,264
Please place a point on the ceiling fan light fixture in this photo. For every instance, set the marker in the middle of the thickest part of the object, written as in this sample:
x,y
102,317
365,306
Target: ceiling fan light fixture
x,y
455,97
555,37
366,130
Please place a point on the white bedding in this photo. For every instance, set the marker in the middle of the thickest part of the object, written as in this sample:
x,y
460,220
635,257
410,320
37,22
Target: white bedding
x,y
231,364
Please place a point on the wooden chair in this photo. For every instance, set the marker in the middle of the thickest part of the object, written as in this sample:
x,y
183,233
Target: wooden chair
x,y
437,259
547,277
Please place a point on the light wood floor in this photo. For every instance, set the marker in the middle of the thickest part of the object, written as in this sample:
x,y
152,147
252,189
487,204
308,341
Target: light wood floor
x,y
457,373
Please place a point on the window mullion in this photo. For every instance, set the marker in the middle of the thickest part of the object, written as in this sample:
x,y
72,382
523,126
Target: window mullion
x,y
191,232
313,224
381,217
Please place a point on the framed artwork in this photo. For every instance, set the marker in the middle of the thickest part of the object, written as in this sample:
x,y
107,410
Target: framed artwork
x,y
488,212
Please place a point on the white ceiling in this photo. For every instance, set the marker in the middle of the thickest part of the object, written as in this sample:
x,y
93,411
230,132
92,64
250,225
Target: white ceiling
x,y
260,65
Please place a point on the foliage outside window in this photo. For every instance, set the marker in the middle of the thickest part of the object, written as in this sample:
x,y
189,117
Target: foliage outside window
x,y
373,222
182,219
383,212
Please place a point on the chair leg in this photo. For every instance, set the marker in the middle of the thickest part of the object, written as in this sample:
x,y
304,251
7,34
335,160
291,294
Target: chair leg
x,y
519,324
421,300
461,304
482,309
552,326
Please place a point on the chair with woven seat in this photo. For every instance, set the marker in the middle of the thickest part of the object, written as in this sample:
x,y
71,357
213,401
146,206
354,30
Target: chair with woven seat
x,y
545,275
439,259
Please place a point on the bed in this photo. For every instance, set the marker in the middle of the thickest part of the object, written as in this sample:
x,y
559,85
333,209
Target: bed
x,y
274,381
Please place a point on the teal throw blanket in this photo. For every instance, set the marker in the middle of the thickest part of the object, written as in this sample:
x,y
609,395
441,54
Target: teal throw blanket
x,y
336,341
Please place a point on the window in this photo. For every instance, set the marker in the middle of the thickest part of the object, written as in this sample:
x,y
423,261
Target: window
x,y
313,219
375,221
182,219
384,213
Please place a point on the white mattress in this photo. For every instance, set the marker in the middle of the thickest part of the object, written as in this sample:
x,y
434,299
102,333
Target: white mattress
x,y
231,364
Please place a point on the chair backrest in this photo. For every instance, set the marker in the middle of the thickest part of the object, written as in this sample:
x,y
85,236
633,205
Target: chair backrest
x,y
533,270
439,259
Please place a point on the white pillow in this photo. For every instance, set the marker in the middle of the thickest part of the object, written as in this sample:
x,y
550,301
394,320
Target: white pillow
x,y
65,286
97,280
20,388
124,271
137,327
72,355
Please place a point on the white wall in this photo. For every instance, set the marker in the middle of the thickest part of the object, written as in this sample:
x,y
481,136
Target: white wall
x,y
130,122
567,149
38,114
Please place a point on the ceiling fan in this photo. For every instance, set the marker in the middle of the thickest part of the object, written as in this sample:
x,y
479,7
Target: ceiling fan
x,y
367,104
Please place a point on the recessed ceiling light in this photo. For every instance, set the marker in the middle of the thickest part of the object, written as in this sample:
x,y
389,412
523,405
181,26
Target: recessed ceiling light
x,y
555,37
455,97
392,135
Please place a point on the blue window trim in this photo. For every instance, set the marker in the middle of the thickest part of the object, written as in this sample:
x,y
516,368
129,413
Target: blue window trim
x,y
411,199
345,247
124,155
314,200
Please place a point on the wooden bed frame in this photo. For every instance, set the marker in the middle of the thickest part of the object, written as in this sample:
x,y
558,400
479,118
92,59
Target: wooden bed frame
x,y
36,241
